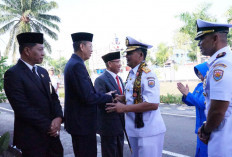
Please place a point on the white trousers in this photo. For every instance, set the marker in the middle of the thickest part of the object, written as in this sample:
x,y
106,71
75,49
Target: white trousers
x,y
151,146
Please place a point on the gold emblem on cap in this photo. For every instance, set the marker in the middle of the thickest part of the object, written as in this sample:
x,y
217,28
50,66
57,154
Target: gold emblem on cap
x,y
200,33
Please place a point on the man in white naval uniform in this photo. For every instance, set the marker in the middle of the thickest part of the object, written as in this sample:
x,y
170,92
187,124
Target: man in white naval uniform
x,y
144,124
217,130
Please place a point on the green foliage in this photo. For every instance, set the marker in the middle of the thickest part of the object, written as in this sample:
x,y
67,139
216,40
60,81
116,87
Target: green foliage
x,y
162,54
192,55
189,27
58,64
3,69
229,15
18,16
229,20
4,142
61,93
170,99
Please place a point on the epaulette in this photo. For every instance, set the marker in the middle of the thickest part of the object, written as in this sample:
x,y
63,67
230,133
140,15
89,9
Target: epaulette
x,y
146,69
222,54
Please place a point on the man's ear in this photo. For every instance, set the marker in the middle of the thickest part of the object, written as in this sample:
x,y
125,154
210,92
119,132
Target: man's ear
x,y
109,64
27,51
82,46
142,55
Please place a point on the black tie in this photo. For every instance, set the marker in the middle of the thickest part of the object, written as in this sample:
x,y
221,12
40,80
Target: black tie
x,y
33,70
38,79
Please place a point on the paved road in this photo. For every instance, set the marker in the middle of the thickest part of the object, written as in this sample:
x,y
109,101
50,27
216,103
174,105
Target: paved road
x,y
180,139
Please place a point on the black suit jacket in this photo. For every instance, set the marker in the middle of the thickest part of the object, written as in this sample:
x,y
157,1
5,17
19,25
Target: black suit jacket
x,y
109,124
34,105
81,99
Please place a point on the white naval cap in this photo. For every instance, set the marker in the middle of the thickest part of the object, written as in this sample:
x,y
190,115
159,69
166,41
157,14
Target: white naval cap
x,y
205,27
133,44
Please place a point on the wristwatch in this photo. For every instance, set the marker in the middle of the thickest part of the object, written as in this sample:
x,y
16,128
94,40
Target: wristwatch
x,y
203,129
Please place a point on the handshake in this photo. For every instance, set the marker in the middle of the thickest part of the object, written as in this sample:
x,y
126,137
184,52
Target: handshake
x,y
118,103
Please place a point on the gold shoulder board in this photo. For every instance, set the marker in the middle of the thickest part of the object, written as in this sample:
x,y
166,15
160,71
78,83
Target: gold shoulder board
x,y
146,69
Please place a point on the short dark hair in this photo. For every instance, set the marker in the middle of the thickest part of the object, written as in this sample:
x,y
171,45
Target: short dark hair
x,y
76,45
22,46
107,65
144,51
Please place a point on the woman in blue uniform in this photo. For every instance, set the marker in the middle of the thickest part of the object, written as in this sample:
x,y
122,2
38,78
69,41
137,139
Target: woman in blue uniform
x,y
197,99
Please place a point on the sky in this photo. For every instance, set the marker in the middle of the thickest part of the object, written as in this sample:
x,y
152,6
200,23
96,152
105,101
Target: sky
x,y
151,21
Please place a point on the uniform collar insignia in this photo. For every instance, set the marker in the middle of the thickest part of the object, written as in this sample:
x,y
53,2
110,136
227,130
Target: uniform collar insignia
x,y
222,54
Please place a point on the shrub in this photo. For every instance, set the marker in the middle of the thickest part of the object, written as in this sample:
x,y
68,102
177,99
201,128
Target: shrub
x,y
4,142
3,69
171,99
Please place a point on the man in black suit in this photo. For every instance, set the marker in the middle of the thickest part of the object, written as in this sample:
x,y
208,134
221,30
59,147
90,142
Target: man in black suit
x,y
110,125
81,99
38,113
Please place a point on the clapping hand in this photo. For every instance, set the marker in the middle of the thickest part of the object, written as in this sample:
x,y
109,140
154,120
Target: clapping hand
x,y
184,90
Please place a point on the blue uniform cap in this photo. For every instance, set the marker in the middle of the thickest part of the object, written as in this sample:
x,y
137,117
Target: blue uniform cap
x,y
133,44
205,27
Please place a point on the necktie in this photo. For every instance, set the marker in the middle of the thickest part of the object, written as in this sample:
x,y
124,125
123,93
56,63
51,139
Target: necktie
x,y
33,70
120,89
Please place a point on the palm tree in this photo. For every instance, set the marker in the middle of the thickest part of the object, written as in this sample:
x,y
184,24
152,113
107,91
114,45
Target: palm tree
x,y
229,20
229,15
189,27
18,16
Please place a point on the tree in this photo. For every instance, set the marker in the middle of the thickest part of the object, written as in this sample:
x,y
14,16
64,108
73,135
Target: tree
x,y
162,54
229,20
18,16
3,69
189,27
229,15
58,64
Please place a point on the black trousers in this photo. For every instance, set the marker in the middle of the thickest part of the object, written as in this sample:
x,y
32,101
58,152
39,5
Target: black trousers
x,y
112,146
85,145
52,149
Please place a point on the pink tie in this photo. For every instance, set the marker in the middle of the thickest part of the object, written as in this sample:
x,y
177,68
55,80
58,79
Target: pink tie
x,y
120,89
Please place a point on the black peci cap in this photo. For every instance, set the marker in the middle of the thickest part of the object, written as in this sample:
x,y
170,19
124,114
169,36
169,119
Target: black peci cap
x,y
111,56
30,37
82,36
